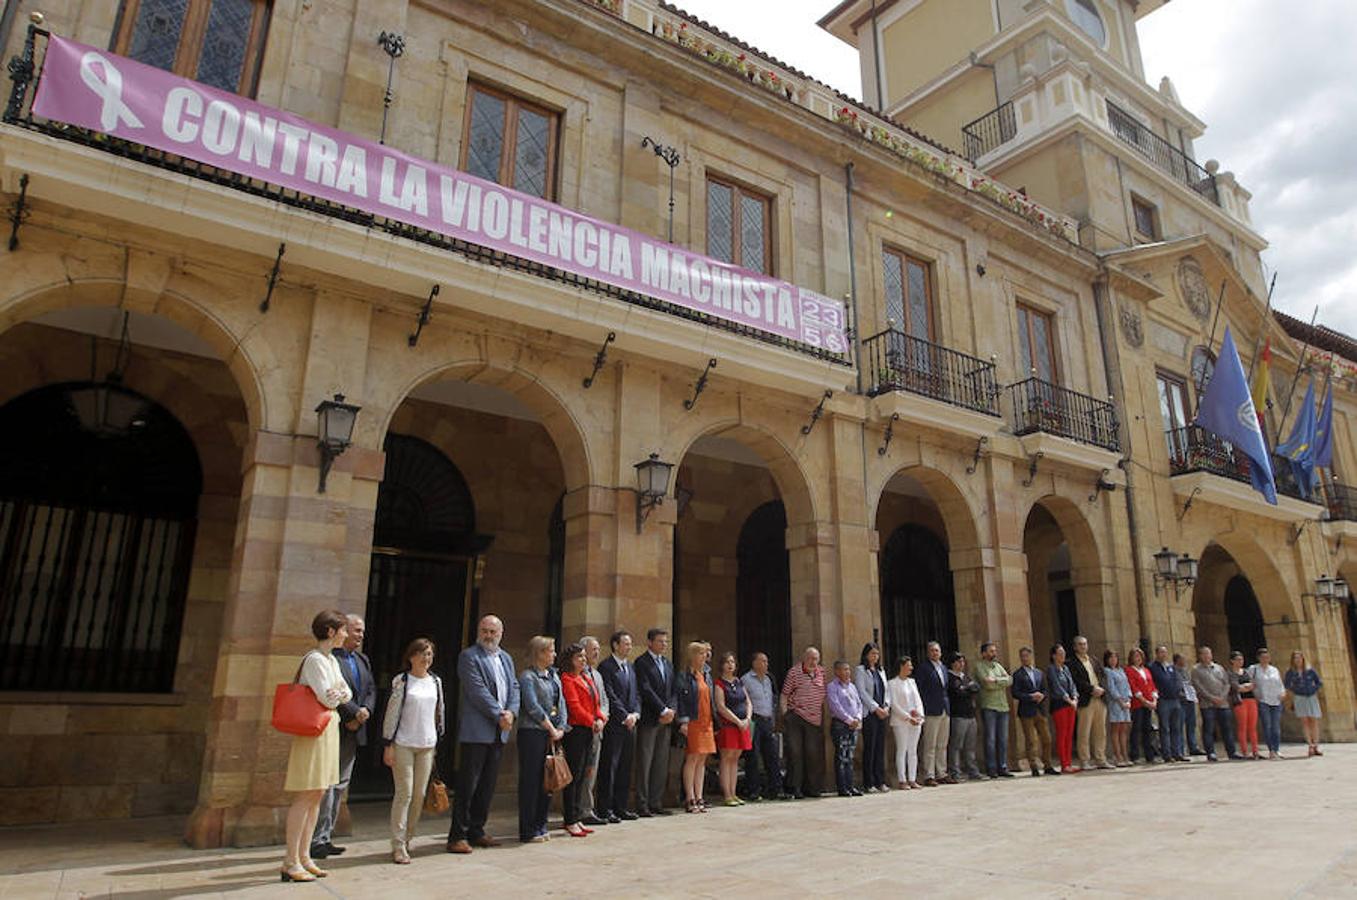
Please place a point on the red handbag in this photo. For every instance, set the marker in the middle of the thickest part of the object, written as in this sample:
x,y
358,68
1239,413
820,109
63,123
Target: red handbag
x,y
296,709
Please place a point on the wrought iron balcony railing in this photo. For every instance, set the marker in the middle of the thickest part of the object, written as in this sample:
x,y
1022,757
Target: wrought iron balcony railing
x,y
901,362
1192,449
1041,406
1343,502
1165,157
994,129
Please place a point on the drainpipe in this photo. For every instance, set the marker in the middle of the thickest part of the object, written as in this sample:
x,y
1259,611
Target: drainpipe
x,y
853,276
1112,370
876,61
7,24
993,75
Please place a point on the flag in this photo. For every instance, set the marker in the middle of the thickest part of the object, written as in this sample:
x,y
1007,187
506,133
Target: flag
x,y
1299,448
1324,433
1262,378
1226,410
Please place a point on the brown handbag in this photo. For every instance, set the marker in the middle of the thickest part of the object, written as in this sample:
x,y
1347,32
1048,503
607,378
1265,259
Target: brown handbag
x,y
556,771
435,796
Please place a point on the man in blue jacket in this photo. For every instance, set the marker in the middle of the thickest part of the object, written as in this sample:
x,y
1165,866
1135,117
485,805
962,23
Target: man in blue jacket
x,y
1170,688
619,736
1029,689
489,704
931,677
353,719
655,678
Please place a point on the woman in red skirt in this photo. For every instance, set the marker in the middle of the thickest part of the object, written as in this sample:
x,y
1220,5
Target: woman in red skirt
x,y
737,715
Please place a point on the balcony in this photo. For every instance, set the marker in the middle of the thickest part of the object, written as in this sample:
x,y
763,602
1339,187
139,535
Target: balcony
x,y
1039,406
901,362
1342,503
1161,154
994,129
1192,449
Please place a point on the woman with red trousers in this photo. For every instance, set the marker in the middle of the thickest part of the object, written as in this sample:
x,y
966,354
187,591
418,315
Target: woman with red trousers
x,y
1064,702
584,716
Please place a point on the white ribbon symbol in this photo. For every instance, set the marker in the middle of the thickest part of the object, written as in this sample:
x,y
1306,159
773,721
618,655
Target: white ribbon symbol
x,y
109,88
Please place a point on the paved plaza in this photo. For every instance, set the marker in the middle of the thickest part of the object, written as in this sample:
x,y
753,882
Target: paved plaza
x,y
1258,829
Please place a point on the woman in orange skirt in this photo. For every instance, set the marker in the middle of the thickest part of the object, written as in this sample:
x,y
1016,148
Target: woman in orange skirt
x,y
695,715
736,735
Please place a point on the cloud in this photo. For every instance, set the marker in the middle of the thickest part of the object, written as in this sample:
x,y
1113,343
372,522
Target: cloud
x,y
1272,80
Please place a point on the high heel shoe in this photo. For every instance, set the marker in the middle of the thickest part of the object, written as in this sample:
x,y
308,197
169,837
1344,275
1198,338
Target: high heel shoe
x,y
310,866
295,874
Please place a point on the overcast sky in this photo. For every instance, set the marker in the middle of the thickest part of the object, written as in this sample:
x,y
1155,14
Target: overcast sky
x,y
1274,80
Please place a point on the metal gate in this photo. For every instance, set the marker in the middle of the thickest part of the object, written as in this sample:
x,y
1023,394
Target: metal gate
x,y
916,595
763,589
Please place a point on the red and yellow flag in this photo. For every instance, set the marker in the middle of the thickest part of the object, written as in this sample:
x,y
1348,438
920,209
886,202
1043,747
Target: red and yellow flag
x,y
1262,377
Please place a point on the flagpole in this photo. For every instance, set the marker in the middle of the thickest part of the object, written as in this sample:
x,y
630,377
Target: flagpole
x,y
1220,301
1267,314
1286,408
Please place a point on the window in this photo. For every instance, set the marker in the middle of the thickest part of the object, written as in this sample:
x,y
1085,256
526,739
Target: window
x,y
510,141
1036,343
1146,219
1173,408
909,294
739,226
1203,367
1085,14
217,42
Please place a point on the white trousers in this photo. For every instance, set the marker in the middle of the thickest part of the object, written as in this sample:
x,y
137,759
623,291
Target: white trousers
x,y
906,751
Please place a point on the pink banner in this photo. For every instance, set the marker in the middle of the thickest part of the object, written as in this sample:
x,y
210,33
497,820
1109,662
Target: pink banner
x,y
98,90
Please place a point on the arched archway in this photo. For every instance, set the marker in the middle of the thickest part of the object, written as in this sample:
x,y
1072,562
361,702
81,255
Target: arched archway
x,y
1243,618
763,588
917,604
1066,587
1239,601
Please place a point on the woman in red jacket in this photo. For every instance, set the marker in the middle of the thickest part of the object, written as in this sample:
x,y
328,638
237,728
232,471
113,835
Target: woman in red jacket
x,y
584,716
1144,700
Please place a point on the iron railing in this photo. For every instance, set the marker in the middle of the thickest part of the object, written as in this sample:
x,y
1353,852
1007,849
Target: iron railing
x,y
902,362
1041,406
1193,449
994,129
1165,157
1343,502
18,112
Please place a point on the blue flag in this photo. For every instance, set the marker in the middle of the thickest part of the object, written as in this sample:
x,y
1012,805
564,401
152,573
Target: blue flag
x,y
1324,433
1227,411
1299,448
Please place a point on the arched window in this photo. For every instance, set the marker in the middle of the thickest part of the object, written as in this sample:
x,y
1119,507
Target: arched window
x,y
99,491
1203,367
217,42
1085,14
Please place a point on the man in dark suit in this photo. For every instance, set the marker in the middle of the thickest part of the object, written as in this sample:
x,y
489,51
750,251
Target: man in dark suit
x,y
1029,689
353,733
485,715
619,736
655,680
931,678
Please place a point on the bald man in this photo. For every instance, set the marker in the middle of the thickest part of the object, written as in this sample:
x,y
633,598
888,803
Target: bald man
x,y
486,713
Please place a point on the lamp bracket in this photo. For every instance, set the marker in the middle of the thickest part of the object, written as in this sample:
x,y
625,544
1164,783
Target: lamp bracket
x,y
393,45
1102,484
645,502
979,452
1296,530
18,213
1188,504
273,279
816,413
890,433
424,315
1033,460
599,359
701,385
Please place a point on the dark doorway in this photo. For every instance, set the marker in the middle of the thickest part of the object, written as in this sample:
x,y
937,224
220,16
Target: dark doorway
x,y
1243,618
763,589
916,595
1067,616
424,552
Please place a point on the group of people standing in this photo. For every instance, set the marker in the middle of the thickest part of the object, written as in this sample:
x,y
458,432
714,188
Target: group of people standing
x,y
614,719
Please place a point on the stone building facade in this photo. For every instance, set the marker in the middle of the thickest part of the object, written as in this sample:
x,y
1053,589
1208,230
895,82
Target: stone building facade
x,y
960,474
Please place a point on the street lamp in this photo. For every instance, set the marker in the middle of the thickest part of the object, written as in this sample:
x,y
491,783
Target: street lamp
x,y
1165,564
1324,587
335,420
1187,570
1341,590
1174,570
652,483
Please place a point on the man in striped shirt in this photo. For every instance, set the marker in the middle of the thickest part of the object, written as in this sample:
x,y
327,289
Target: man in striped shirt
x,y
803,703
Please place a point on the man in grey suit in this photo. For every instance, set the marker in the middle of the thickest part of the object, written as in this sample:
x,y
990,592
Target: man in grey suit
x,y
489,704
592,652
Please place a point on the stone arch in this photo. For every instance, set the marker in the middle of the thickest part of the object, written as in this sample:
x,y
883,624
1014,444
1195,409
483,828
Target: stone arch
x,y
959,516
1086,593
791,481
1231,554
556,416
35,291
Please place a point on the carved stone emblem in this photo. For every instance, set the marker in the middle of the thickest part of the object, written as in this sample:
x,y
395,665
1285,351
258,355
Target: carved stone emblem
x,y
1131,328
1192,285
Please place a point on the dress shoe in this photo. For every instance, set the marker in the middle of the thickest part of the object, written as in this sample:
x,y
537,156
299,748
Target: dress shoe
x,y
661,811
593,820
783,796
1036,773
334,851
628,816
459,847
930,782
855,792
615,819
948,780
1051,770
319,851
644,813
1006,774
486,841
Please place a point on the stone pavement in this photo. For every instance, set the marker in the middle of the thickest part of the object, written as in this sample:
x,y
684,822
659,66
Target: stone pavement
x,y
1261,829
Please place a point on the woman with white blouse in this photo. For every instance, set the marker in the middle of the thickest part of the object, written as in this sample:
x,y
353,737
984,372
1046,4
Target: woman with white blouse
x,y
410,730
1270,691
907,718
313,762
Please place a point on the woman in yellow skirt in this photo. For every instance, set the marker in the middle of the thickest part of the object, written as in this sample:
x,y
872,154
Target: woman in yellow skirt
x,y
313,765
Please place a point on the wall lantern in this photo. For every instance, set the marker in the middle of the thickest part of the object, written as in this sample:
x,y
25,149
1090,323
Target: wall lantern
x,y
1341,590
1174,570
652,483
1165,565
1324,587
335,420
105,407
1187,570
